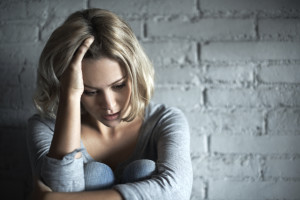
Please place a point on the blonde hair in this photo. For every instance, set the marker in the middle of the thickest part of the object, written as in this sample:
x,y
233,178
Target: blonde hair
x,y
114,39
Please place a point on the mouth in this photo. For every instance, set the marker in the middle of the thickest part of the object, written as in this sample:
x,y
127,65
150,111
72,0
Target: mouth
x,y
111,116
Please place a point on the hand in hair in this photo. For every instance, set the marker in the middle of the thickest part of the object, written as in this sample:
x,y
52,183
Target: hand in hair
x,y
71,80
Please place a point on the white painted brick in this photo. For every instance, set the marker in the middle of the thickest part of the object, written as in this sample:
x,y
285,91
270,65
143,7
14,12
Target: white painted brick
x,y
28,75
14,117
177,52
280,74
9,75
199,163
279,28
10,97
198,189
38,10
18,32
27,98
176,75
198,144
204,29
274,97
136,26
120,6
227,166
232,97
256,144
233,166
65,8
230,74
238,121
265,5
284,121
253,98
171,7
13,9
178,97
222,189
50,26
282,168
251,51
20,53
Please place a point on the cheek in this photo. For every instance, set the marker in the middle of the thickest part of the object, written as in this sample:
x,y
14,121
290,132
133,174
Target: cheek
x,y
86,103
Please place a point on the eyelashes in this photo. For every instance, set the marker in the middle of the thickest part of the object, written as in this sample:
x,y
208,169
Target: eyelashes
x,y
95,92
120,86
90,93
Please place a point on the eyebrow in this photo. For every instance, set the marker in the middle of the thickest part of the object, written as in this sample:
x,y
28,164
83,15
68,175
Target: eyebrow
x,y
124,77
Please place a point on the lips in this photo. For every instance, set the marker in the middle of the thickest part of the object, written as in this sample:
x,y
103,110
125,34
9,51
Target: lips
x,y
112,116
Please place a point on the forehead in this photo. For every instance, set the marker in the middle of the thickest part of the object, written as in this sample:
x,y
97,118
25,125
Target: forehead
x,y
101,72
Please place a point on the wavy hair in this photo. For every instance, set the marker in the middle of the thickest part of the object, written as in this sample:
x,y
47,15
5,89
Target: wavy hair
x,y
113,39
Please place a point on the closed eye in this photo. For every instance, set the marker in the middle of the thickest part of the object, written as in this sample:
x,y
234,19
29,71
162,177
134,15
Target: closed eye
x,y
90,93
119,87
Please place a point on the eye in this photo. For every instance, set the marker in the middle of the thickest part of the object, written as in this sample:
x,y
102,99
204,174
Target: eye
x,y
119,87
90,93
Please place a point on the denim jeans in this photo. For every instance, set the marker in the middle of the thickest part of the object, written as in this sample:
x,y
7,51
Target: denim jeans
x,y
100,176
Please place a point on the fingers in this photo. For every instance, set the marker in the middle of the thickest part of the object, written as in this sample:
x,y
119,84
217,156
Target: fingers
x,y
83,49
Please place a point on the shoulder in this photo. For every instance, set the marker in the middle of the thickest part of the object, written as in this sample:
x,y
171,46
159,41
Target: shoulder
x,y
165,120
37,120
162,112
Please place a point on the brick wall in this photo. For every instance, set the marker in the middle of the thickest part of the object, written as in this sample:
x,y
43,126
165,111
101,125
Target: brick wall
x,y
233,67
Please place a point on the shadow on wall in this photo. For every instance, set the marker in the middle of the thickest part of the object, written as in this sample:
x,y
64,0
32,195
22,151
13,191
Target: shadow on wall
x,y
15,172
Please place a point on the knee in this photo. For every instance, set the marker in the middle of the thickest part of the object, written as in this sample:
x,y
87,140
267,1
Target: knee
x,y
98,176
139,170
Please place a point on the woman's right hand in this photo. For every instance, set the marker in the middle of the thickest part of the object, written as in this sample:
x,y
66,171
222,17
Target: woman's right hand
x,y
71,80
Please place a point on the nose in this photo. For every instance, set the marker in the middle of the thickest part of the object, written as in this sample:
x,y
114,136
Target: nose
x,y
108,101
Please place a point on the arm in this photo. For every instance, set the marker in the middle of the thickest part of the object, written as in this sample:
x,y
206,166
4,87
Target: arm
x,y
66,136
174,169
89,195
56,155
42,192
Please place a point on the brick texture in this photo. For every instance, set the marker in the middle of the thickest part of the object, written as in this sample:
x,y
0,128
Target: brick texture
x,y
232,66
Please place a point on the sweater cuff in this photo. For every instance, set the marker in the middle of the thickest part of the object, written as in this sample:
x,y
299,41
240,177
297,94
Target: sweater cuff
x,y
65,175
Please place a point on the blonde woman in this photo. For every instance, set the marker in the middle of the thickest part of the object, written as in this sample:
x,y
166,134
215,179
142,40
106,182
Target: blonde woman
x,y
97,135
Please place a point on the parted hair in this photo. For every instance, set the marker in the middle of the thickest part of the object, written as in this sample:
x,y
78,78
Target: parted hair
x,y
113,38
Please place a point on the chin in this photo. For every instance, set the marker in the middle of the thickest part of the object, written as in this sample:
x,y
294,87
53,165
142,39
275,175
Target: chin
x,y
110,124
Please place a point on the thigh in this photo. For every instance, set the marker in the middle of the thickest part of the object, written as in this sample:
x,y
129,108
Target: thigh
x,y
98,176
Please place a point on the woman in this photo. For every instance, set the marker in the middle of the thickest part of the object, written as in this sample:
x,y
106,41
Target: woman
x,y
97,135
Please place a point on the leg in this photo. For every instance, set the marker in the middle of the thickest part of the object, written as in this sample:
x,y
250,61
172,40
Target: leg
x,y
138,170
98,176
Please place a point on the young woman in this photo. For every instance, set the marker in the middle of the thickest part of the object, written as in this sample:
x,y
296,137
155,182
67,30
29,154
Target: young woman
x,y
97,135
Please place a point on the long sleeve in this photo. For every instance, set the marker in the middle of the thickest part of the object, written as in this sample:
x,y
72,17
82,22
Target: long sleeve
x,y
173,180
66,175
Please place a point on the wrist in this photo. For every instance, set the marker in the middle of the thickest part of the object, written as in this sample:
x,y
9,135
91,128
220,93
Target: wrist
x,y
70,95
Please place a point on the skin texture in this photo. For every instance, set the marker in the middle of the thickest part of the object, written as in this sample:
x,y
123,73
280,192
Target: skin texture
x,y
103,89
105,95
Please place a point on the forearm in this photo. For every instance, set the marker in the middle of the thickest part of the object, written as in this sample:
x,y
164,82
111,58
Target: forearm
x,y
90,195
67,131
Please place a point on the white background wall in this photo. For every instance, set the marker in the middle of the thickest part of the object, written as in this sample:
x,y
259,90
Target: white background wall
x,y
233,67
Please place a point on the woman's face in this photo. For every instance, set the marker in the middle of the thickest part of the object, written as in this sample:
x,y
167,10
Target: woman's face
x,y
107,90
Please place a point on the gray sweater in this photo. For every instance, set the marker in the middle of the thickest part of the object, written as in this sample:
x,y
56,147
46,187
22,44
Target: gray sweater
x,y
164,138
